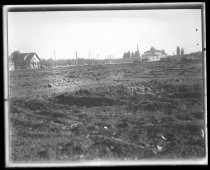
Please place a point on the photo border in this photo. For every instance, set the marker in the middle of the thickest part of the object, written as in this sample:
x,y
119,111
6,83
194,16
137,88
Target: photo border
x,y
96,7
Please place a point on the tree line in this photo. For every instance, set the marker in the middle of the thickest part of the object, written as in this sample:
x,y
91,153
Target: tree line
x,y
129,54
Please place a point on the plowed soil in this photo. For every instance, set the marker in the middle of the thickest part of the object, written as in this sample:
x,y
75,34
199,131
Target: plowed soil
x,y
129,111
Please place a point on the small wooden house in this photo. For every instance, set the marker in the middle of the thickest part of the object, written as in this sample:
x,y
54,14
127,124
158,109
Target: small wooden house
x,y
24,61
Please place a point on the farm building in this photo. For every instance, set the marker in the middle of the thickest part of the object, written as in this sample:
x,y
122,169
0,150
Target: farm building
x,y
24,61
172,58
197,56
153,55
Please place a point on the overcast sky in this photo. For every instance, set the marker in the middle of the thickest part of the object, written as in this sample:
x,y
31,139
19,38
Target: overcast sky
x,y
103,33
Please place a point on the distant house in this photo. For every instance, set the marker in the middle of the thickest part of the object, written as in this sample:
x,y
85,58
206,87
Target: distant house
x,y
172,58
24,61
153,55
196,56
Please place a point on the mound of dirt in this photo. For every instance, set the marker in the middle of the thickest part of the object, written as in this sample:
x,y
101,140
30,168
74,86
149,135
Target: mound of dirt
x,y
73,100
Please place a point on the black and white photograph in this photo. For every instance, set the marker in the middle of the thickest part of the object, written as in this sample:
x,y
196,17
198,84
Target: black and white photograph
x,y
105,84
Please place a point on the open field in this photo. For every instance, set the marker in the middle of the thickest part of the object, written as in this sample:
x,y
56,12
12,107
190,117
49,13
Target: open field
x,y
126,111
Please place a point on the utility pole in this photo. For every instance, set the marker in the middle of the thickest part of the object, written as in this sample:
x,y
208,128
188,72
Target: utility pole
x,y
55,58
76,57
89,55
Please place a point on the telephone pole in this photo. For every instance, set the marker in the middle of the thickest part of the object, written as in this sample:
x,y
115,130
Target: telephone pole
x,y
76,57
55,58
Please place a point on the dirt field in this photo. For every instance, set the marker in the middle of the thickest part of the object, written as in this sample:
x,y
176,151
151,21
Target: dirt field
x,y
124,111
